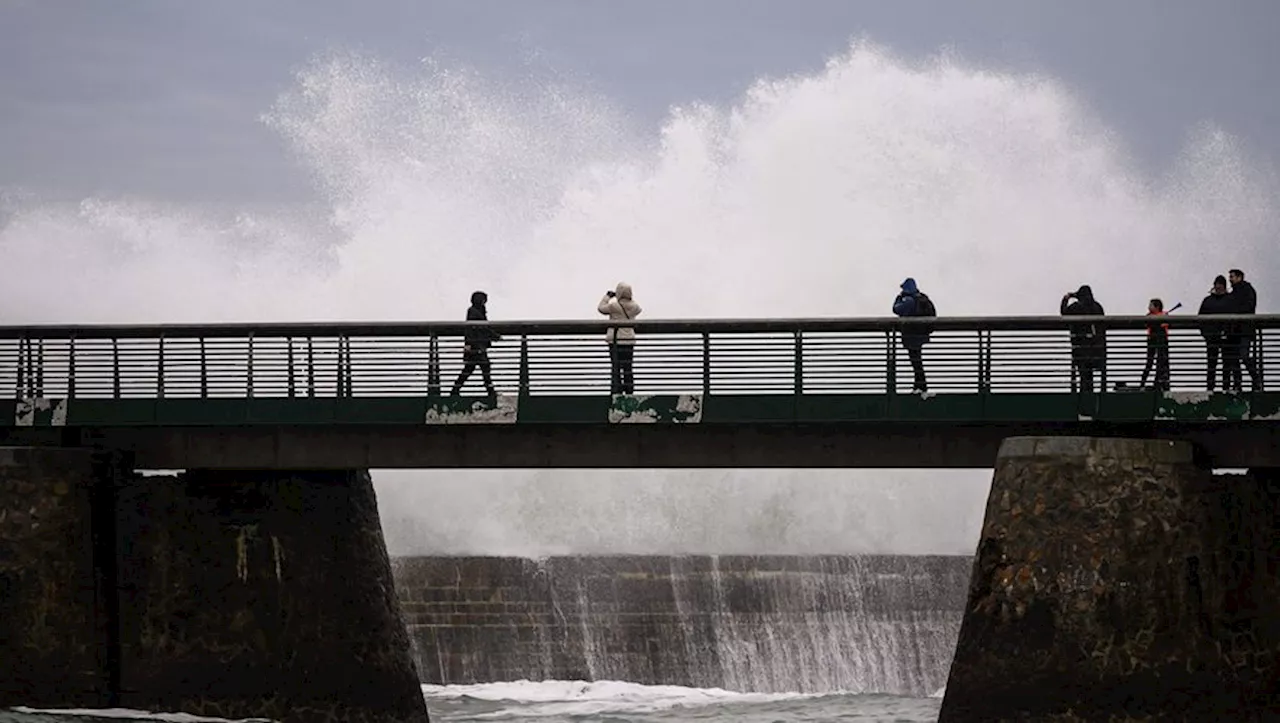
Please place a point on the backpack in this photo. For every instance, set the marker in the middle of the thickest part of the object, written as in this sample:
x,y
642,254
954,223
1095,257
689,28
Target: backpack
x,y
925,307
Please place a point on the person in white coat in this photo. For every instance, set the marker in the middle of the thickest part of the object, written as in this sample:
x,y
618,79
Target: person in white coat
x,y
619,305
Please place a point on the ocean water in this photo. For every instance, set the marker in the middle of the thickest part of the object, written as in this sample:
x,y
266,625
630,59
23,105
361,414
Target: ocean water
x,y
555,701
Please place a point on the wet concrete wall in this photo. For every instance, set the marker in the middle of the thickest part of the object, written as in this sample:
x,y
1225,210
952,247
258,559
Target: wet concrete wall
x,y
767,623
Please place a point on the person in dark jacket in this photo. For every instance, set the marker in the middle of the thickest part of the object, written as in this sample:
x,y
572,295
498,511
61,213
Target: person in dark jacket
x,y
1215,335
475,349
912,302
1157,348
1088,341
1240,337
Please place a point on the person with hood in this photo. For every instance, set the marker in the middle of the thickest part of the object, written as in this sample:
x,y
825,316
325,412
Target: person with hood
x,y
1240,337
1088,341
912,302
619,305
1215,335
475,348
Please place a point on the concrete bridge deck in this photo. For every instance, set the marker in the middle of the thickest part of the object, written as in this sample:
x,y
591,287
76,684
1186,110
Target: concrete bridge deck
x,y
709,393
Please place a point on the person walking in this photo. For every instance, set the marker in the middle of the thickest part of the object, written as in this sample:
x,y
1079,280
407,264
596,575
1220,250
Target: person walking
x,y
1240,336
911,302
1088,341
620,305
1215,335
1157,349
475,348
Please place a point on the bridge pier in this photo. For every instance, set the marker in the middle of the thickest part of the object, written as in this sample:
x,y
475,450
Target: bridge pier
x,y
231,593
1117,579
57,644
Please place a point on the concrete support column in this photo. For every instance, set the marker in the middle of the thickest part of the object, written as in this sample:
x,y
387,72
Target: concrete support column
x,y
262,594
1107,586
58,642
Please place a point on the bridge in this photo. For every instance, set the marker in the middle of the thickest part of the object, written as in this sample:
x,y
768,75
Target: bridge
x,y
256,582
709,393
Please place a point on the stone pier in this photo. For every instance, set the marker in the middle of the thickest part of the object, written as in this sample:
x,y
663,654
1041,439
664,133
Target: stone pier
x,y
261,594
1118,580
57,644
233,594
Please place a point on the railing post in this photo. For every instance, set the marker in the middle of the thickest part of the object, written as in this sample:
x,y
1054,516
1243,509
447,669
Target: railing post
x,y
891,363
706,365
39,368
524,365
20,391
311,367
1259,360
115,366
160,370
433,366
799,367
984,361
248,388
344,366
289,366
204,372
71,367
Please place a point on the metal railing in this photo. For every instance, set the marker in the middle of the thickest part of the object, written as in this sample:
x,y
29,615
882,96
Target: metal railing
x,y
785,356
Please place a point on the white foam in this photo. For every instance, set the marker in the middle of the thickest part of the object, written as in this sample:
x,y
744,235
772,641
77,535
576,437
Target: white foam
x,y
130,714
582,698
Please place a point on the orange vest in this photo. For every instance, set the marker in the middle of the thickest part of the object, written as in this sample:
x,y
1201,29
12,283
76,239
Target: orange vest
x,y
1152,328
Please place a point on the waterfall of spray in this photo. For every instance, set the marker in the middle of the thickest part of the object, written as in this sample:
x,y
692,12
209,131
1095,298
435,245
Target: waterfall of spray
x,y
756,623
811,195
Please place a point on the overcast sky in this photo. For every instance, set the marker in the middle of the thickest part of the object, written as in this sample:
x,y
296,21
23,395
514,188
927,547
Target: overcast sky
x,y
163,98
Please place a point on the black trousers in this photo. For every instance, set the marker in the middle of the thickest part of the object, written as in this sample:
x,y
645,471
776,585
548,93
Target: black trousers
x,y
472,360
622,378
1088,360
915,353
1215,357
1238,351
1157,355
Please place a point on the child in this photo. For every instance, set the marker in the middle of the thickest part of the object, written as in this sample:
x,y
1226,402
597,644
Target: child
x,y
1157,348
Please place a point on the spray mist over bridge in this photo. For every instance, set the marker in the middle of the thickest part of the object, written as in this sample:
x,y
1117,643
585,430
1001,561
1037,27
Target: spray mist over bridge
x,y
812,195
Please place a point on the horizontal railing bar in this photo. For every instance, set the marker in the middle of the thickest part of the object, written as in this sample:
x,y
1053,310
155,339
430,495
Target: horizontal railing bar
x,y
301,330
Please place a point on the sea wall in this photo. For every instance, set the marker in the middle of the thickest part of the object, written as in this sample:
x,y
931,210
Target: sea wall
x,y
748,623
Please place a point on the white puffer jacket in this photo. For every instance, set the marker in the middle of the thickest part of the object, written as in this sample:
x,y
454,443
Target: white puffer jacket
x,y
620,308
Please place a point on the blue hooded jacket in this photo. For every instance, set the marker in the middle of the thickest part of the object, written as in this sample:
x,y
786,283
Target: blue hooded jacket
x,y
905,304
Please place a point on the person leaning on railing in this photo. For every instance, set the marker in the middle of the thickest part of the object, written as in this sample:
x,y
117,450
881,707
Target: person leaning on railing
x,y
619,305
913,302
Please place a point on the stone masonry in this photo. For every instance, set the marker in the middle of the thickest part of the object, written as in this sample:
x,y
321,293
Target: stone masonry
x,y
263,594
1117,580
54,628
